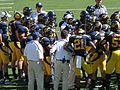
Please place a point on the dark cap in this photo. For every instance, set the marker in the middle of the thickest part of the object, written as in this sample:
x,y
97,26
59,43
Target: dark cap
x,y
29,38
39,4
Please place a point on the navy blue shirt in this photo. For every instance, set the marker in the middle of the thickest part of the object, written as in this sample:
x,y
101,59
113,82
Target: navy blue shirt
x,y
80,42
114,40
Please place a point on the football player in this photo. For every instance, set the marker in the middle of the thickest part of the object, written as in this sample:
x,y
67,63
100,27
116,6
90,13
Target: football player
x,y
112,41
15,44
4,48
47,60
80,41
99,57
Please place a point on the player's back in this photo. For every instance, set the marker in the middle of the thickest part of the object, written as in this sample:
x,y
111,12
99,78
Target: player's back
x,y
79,42
114,40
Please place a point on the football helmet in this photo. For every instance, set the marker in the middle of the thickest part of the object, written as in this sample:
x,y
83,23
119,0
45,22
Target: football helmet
x,y
18,16
76,22
89,27
34,28
51,16
47,32
115,17
70,12
83,16
5,14
90,19
27,11
42,18
26,21
104,18
105,27
90,9
117,12
97,26
115,25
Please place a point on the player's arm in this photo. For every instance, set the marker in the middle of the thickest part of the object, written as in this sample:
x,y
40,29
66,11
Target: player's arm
x,y
95,42
52,54
17,35
0,38
68,47
1,42
105,41
93,45
53,49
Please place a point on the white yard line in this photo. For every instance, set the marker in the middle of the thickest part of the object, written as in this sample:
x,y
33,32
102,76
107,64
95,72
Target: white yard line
x,y
6,3
5,7
61,10
7,0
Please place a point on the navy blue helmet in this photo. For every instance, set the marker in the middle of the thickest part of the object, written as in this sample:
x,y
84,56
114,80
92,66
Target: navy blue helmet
x,y
27,11
39,5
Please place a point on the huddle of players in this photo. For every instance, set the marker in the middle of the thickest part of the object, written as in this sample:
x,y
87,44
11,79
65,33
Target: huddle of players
x,y
89,30
17,33
95,38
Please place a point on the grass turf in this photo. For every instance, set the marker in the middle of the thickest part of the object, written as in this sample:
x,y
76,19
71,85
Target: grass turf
x,y
55,5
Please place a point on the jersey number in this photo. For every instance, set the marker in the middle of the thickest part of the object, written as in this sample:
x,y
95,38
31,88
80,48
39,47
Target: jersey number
x,y
115,42
78,44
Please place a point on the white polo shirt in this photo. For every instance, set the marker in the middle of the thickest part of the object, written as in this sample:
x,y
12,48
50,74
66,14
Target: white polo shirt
x,y
59,50
33,50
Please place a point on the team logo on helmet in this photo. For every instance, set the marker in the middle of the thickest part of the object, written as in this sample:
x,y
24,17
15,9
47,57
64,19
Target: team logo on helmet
x,y
18,15
115,25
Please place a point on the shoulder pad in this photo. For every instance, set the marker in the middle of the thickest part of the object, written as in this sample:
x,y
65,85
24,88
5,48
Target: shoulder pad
x,y
72,35
110,33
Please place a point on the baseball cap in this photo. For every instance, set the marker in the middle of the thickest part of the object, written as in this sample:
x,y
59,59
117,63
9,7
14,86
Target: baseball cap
x,y
29,38
5,14
39,4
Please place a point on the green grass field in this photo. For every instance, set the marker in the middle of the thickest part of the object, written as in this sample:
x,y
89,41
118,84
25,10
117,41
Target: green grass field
x,y
59,7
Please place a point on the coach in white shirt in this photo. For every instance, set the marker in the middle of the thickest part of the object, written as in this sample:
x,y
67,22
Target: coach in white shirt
x,y
34,54
62,61
39,8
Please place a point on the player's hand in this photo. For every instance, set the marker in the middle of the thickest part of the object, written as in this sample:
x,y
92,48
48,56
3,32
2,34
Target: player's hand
x,y
42,64
2,44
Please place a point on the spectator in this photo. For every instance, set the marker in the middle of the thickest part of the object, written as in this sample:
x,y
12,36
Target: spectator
x,y
39,8
99,8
